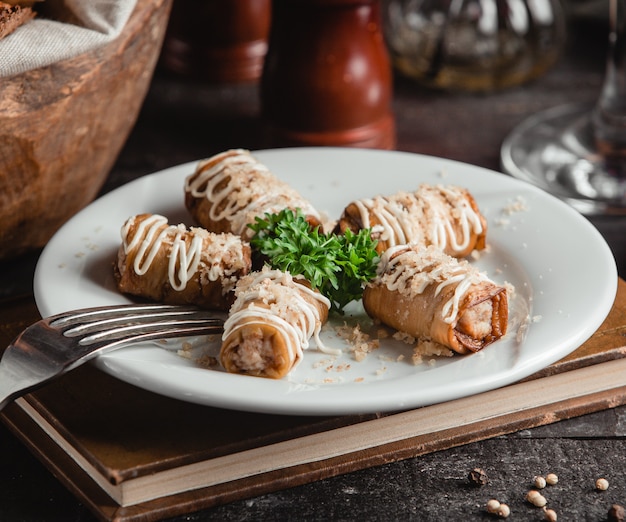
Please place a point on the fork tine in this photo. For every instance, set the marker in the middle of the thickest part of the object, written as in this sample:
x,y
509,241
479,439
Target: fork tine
x,y
154,329
119,312
103,346
172,332
112,320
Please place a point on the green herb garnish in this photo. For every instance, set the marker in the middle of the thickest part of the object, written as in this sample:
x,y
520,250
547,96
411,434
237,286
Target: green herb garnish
x,y
338,266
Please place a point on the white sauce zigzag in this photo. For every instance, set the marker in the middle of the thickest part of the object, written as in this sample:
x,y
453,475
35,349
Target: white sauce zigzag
x,y
153,234
240,188
427,216
409,270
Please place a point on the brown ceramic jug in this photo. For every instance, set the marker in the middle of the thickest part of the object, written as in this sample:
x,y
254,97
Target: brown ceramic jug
x,y
327,75
222,41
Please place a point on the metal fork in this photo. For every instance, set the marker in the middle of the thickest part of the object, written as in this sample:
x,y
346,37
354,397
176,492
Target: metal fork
x,y
55,345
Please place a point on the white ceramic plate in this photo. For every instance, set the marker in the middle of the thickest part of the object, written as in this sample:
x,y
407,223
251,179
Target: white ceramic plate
x,y
562,269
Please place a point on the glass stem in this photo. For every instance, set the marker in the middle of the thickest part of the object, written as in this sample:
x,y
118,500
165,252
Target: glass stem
x,y
609,115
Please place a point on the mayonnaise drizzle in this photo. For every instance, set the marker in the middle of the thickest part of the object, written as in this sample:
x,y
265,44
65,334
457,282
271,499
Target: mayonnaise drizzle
x,y
153,233
410,269
287,309
428,216
240,188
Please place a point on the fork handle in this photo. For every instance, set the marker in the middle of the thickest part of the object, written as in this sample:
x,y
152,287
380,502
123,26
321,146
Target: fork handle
x,y
19,378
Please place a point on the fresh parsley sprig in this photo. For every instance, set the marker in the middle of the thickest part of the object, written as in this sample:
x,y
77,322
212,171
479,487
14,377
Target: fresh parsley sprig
x,y
337,265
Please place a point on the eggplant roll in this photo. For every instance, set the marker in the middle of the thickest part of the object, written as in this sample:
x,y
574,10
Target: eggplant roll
x,y
430,295
270,323
227,191
175,265
444,216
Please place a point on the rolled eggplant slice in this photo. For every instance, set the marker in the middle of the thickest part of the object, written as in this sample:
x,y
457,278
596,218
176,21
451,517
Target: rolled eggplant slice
x,y
432,296
444,216
270,323
229,190
175,265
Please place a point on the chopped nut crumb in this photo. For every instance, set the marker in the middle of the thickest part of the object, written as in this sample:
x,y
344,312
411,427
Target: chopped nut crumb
x,y
510,289
324,363
478,477
425,349
382,333
517,205
184,354
616,513
404,337
360,343
206,361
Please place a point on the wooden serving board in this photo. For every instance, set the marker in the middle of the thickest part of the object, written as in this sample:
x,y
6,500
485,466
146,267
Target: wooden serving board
x,y
129,454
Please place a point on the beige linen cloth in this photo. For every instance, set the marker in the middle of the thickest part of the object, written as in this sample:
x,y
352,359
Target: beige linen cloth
x,y
43,41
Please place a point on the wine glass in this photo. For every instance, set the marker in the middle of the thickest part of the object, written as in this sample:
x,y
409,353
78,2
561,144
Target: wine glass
x,y
578,152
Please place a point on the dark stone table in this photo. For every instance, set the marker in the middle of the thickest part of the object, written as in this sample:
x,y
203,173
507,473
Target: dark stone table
x,y
181,122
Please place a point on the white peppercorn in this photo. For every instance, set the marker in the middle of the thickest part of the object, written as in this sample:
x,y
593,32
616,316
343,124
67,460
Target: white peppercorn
x,y
536,498
602,484
493,505
551,479
539,482
503,511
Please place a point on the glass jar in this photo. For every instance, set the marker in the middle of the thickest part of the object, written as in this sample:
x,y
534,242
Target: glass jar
x,y
473,45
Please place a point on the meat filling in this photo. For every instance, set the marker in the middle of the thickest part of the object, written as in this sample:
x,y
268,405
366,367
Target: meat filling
x,y
476,320
254,352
